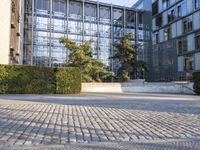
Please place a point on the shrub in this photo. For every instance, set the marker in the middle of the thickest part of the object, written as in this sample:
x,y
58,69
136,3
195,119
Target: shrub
x,y
3,84
16,79
196,79
68,80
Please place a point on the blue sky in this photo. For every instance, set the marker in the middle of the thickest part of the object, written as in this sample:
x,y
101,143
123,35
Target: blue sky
x,y
119,2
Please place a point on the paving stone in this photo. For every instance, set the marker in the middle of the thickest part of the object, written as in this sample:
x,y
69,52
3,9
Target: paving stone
x,y
36,123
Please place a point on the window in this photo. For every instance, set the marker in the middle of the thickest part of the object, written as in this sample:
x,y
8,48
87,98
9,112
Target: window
x,y
105,14
157,38
155,8
118,16
130,18
167,33
43,4
179,11
197,41
171,15
172,2
187,25
180,51
196,4
165,4
159,21
59,6
185,46
190,25
189,63
75,10
90,12
182,45
140,18
184,9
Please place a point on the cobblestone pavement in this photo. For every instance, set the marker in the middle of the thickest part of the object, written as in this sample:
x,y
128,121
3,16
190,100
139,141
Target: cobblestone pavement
x,y
145,121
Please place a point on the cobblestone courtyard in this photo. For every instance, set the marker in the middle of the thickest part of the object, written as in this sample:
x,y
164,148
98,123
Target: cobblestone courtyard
x,y
100,121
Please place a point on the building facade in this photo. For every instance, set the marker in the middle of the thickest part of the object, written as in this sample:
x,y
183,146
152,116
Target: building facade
x,y
15,32
145,5
9,31
176,39
4,31
46,21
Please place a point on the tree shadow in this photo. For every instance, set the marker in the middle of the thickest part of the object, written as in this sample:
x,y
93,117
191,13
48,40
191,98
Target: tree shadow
x,y
155,103
22,126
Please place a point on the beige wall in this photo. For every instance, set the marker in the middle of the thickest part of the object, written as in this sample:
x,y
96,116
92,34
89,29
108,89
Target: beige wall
x,y
139,87
4,31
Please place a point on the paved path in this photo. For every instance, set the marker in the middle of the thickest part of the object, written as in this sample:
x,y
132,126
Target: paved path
x,y
134,120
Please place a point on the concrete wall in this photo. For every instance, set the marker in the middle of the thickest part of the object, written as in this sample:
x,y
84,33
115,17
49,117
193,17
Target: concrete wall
x,y
4,31
172,87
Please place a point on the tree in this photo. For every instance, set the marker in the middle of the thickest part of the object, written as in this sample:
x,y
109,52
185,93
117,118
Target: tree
x,y
81,56
141,68
126,55
130,67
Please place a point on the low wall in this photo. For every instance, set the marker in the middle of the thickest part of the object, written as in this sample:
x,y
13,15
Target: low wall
x,y
171,87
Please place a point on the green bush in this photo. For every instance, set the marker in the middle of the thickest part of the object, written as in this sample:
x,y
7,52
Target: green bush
x,y
3,80
196,79
16,79
68,80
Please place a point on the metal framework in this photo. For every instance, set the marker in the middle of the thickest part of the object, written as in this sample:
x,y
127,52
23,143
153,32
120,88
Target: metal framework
x,y
46,21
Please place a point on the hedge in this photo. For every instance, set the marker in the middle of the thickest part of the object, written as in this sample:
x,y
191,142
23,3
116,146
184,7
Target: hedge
x,y
17,79
196,79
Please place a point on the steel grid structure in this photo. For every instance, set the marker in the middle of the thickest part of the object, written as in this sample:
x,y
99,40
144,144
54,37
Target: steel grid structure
x,y
46,21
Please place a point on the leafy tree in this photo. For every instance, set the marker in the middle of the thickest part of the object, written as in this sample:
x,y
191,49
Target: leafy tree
x,y
81,56
129,68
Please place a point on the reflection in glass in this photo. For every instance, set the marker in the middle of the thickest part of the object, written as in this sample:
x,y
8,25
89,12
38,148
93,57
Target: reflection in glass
x,y
184,8
42,4
58,25
59,6
90,12
75,10
130,19
104,14
118,17
75,27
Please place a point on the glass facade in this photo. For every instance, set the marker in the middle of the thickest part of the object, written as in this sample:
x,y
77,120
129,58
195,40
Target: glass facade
x,y
144,34
46,21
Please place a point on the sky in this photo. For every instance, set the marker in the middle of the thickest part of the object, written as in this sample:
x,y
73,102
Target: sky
x,y
127,3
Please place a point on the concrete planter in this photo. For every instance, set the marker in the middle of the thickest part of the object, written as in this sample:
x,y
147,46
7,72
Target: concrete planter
x,y
139,87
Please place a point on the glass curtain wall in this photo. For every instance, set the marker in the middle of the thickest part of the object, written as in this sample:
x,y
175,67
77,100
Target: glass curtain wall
x,y
90,27
46,21
28,26
75,22
58,30
118,32
105,34
41,34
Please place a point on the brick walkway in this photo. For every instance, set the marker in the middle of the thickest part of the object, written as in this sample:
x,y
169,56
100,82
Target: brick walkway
x,y
50,120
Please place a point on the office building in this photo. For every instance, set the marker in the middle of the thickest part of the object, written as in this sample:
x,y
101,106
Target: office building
x,y
46,21
9,31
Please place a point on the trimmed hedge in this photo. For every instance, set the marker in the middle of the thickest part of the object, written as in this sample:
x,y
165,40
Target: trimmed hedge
x,y
68,80
17,79
196,79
